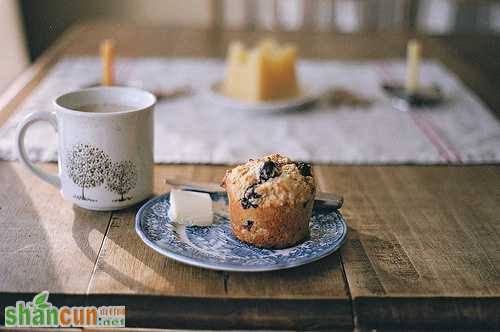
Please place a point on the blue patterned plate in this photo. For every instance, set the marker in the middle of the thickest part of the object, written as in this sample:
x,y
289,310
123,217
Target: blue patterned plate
x,y
215,247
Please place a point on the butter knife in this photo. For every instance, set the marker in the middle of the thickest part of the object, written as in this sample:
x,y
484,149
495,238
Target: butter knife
x,y
322,199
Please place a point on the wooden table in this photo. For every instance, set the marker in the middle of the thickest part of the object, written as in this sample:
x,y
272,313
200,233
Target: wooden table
x,y
423,246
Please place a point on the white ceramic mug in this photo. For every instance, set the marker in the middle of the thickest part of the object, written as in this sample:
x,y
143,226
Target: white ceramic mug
x,y
105,159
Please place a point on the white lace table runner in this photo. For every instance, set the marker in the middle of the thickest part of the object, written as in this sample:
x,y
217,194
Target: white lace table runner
x,y
194,130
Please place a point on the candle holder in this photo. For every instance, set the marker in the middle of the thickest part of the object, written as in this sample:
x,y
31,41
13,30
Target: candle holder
x,y
403,101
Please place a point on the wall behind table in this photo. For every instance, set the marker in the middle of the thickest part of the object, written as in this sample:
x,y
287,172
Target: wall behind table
x,y
13,57
46,20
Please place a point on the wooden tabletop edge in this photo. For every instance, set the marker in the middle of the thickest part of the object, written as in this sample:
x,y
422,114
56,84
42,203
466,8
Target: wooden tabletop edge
x,y
426,297
4,294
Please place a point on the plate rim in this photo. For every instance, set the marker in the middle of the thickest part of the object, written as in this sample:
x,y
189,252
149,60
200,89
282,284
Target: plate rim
x,y
264,106
222,266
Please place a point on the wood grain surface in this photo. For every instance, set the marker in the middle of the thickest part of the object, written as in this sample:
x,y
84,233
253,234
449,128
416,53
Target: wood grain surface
x,y
423,241
46,243
423,244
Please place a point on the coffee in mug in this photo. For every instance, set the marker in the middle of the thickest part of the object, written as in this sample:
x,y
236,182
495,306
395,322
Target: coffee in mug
x,y
103,108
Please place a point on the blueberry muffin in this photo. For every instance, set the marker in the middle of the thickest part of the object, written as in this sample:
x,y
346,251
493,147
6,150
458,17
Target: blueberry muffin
x,y
270,201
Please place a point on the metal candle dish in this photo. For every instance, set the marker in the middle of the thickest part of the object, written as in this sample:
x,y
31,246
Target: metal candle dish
x,y
404,101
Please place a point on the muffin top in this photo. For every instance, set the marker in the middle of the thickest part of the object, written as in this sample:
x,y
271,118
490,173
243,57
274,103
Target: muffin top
x,y
274,180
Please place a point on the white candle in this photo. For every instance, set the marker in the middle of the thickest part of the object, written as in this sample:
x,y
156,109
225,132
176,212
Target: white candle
x,y
412,66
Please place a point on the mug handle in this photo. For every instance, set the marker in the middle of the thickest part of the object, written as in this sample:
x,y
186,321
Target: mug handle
x,y
21,150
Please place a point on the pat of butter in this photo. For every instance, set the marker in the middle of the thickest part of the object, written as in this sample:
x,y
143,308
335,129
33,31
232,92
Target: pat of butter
x,y
190,208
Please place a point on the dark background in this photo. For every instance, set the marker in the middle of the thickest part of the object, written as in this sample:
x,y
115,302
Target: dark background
x,y
45,20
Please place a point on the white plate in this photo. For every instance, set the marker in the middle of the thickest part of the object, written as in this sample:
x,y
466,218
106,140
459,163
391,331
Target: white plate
x,y
216,96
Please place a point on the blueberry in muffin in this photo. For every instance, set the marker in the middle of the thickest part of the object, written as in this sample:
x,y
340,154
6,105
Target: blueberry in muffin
x,y
270,201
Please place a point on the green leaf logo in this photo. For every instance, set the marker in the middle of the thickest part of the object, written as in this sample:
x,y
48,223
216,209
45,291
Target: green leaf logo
x,y
40,300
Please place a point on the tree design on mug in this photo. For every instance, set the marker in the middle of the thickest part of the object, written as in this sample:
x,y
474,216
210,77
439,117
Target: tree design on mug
x,y
121,178
87,166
